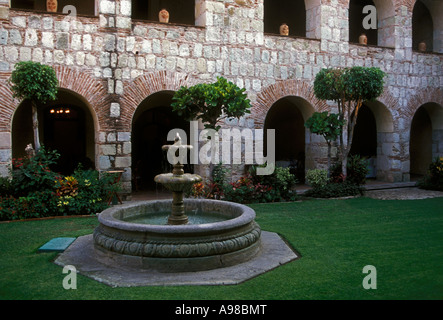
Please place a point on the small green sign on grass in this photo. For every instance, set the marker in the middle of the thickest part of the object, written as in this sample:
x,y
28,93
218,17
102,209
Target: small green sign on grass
x,y
57,245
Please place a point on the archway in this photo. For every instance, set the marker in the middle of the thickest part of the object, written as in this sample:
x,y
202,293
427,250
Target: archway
x,y
426,138
151,123
373,139
287,117
422,27
364,142
65,125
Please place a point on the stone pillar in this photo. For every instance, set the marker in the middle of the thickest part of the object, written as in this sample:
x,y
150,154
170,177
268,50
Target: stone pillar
x,y
332,28
5,153
114,151
5,137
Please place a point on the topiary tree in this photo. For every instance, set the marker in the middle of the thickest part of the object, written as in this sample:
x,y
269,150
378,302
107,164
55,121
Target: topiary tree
x,y
36,82
349,88
327,125
211,102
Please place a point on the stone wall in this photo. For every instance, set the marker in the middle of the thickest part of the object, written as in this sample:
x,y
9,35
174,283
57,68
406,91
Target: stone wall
x,y
115,63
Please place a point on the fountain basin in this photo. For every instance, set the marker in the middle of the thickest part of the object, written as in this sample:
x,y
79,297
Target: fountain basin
x,y
182,248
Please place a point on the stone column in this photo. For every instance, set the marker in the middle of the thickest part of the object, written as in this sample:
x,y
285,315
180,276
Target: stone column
x,y
5,137
114,151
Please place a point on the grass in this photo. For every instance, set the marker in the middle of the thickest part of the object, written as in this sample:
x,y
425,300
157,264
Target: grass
x,y
335,238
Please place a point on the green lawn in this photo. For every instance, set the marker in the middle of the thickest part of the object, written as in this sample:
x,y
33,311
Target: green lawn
x,y
335,238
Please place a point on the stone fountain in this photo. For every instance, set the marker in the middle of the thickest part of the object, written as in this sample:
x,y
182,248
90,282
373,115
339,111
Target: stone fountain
x,y
128,233
177,242
178,181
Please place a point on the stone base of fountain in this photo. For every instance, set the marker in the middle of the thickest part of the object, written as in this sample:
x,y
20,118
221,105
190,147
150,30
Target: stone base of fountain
x,y
83,255
172,248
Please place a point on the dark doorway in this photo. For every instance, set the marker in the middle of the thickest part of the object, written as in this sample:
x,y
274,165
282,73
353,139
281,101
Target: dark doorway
x,y
65,125
420,147
286,118
152,122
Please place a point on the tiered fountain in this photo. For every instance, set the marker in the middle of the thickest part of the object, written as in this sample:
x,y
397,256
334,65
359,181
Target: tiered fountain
x,y
179,236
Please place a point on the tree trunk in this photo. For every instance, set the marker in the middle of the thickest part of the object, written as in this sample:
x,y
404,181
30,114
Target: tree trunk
x,y
35,126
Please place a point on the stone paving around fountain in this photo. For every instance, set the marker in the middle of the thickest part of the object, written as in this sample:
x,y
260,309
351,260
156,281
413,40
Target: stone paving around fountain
x,y
81,254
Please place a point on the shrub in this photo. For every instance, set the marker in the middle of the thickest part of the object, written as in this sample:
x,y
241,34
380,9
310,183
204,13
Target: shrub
x,y
33,173
335,190
434,179
245,190
317,178
85,192
281,180
357,170
337,175
34,190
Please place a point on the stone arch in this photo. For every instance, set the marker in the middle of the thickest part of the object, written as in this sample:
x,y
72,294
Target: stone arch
x,y
380,146
66,124
431,20
143,86
424,96
91,90
431,100
295,88
297,95
79,82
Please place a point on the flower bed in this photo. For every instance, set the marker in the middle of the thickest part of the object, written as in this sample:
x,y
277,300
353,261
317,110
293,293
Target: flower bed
x,y
33,190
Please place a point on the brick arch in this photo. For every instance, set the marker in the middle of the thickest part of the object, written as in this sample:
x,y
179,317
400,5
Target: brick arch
x,y
143,86
91,90
424,96
384,112
7,103
270,95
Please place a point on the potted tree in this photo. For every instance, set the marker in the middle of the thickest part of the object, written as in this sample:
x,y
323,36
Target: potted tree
x,y
211,102
349,88
36,82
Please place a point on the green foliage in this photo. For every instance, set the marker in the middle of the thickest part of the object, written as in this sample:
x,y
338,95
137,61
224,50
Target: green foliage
x,y
327,125
211,102
349,88
349,84
317,177
34,81
281,181
328,84
250,188
34,173
245,190
85,192
35,191
357,170
434,179
335,190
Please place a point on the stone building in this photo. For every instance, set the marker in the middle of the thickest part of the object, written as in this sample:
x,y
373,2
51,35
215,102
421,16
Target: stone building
x,y
118,68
